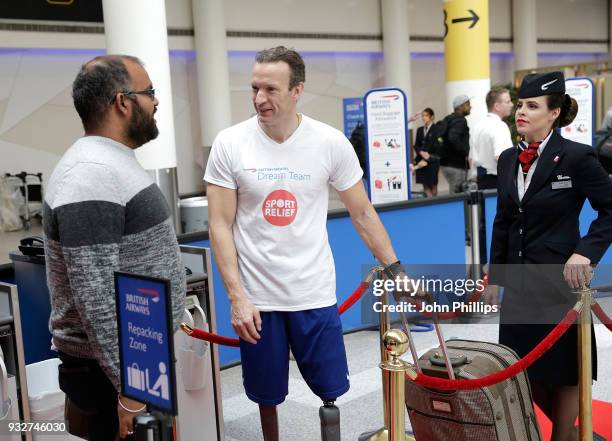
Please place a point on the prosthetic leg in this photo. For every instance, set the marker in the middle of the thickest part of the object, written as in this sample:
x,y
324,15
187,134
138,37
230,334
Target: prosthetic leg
x,y
269,422
330,421
328,413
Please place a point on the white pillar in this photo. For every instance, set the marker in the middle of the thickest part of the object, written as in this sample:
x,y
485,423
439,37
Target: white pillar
x,y
396,46
524,34
138,28
213,71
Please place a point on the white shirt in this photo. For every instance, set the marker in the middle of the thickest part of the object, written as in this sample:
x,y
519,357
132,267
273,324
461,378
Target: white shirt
x,y
488,139
280,231
522,182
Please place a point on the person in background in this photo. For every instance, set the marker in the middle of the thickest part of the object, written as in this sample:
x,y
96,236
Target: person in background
x,y
607,121
456,145
426,165
358,142
490,137
537,252
603,143
103,213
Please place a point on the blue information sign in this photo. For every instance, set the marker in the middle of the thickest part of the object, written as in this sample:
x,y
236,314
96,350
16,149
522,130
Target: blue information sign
x,y
353,113
146,351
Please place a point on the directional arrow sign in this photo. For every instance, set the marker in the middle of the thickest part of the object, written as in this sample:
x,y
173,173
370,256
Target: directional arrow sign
x,y
474,19
466,43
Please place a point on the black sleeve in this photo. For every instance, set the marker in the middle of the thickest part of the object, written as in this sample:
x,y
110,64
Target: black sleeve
x,y
418,142
499,238
596,185
357,140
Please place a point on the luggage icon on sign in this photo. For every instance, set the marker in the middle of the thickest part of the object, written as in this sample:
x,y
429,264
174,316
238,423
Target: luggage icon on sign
x,y
136,377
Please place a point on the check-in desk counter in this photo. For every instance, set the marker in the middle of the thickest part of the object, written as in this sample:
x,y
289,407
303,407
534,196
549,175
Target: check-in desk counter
x,y
198,371
31,278
14,405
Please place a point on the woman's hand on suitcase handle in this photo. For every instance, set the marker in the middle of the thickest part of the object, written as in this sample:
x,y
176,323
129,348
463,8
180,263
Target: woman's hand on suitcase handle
x,y
246,320
578,271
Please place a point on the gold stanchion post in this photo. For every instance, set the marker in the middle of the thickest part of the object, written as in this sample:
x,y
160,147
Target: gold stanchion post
x,y
585,416
390,382
385,325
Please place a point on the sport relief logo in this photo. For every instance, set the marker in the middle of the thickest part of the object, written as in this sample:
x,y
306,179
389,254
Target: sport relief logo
x,y
280,208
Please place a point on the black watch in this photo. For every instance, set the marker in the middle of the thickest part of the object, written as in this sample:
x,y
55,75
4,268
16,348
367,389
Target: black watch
x,y
393,269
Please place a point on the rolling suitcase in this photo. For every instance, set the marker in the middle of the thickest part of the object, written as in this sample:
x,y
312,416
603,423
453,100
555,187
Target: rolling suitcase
x,y
501,412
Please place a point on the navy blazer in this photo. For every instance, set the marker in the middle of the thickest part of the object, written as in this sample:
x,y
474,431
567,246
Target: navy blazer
x,y
422,141
543,227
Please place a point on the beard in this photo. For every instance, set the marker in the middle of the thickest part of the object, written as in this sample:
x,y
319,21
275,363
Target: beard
x,y
142,127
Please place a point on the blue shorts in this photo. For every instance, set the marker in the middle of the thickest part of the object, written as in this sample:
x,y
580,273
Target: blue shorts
x,y
315,338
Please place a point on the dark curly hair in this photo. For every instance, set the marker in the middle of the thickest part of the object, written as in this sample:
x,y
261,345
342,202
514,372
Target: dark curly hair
x,y
96,85
568,106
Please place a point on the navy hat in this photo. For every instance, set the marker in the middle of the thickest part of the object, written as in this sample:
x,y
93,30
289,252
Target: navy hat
x,y
539,84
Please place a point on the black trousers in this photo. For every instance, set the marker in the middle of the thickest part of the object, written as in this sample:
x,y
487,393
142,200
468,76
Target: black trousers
x,y
89,389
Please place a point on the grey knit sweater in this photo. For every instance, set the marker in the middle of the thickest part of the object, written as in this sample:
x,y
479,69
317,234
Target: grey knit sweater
x,y
103,213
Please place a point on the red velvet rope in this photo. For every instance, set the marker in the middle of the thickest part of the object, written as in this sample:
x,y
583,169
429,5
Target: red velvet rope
x,y
234,342
363,287
214,338
511,371
601,315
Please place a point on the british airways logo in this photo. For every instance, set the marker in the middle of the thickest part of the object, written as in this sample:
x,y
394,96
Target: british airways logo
x,y
149,292
545,86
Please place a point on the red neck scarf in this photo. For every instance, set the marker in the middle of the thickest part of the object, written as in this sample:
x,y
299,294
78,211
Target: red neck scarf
x,y
528,153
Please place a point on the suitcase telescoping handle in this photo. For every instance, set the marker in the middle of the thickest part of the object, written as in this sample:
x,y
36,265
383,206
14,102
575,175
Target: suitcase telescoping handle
x,y
436,323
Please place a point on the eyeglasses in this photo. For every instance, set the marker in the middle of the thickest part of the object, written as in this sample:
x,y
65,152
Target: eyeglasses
x,y
148,92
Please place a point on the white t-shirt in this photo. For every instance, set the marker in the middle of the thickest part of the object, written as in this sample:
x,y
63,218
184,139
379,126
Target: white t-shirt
x,y
280,233
488,139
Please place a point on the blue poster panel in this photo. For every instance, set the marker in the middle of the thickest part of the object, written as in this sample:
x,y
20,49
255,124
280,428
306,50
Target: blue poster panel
x,y
353,113
146,353
582,129
387,145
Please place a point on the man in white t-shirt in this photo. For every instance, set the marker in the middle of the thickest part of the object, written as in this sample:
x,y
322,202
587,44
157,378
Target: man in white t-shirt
x,y
268,179
490,137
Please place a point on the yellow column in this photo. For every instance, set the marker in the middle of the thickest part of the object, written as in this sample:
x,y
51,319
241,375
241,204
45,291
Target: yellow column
x,y
466,52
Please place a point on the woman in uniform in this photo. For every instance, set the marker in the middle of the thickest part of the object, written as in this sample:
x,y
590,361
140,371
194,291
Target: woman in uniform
x,y
426,166
537,252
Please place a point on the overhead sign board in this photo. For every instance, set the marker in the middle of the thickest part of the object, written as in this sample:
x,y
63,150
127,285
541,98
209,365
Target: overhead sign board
x,y
53,10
